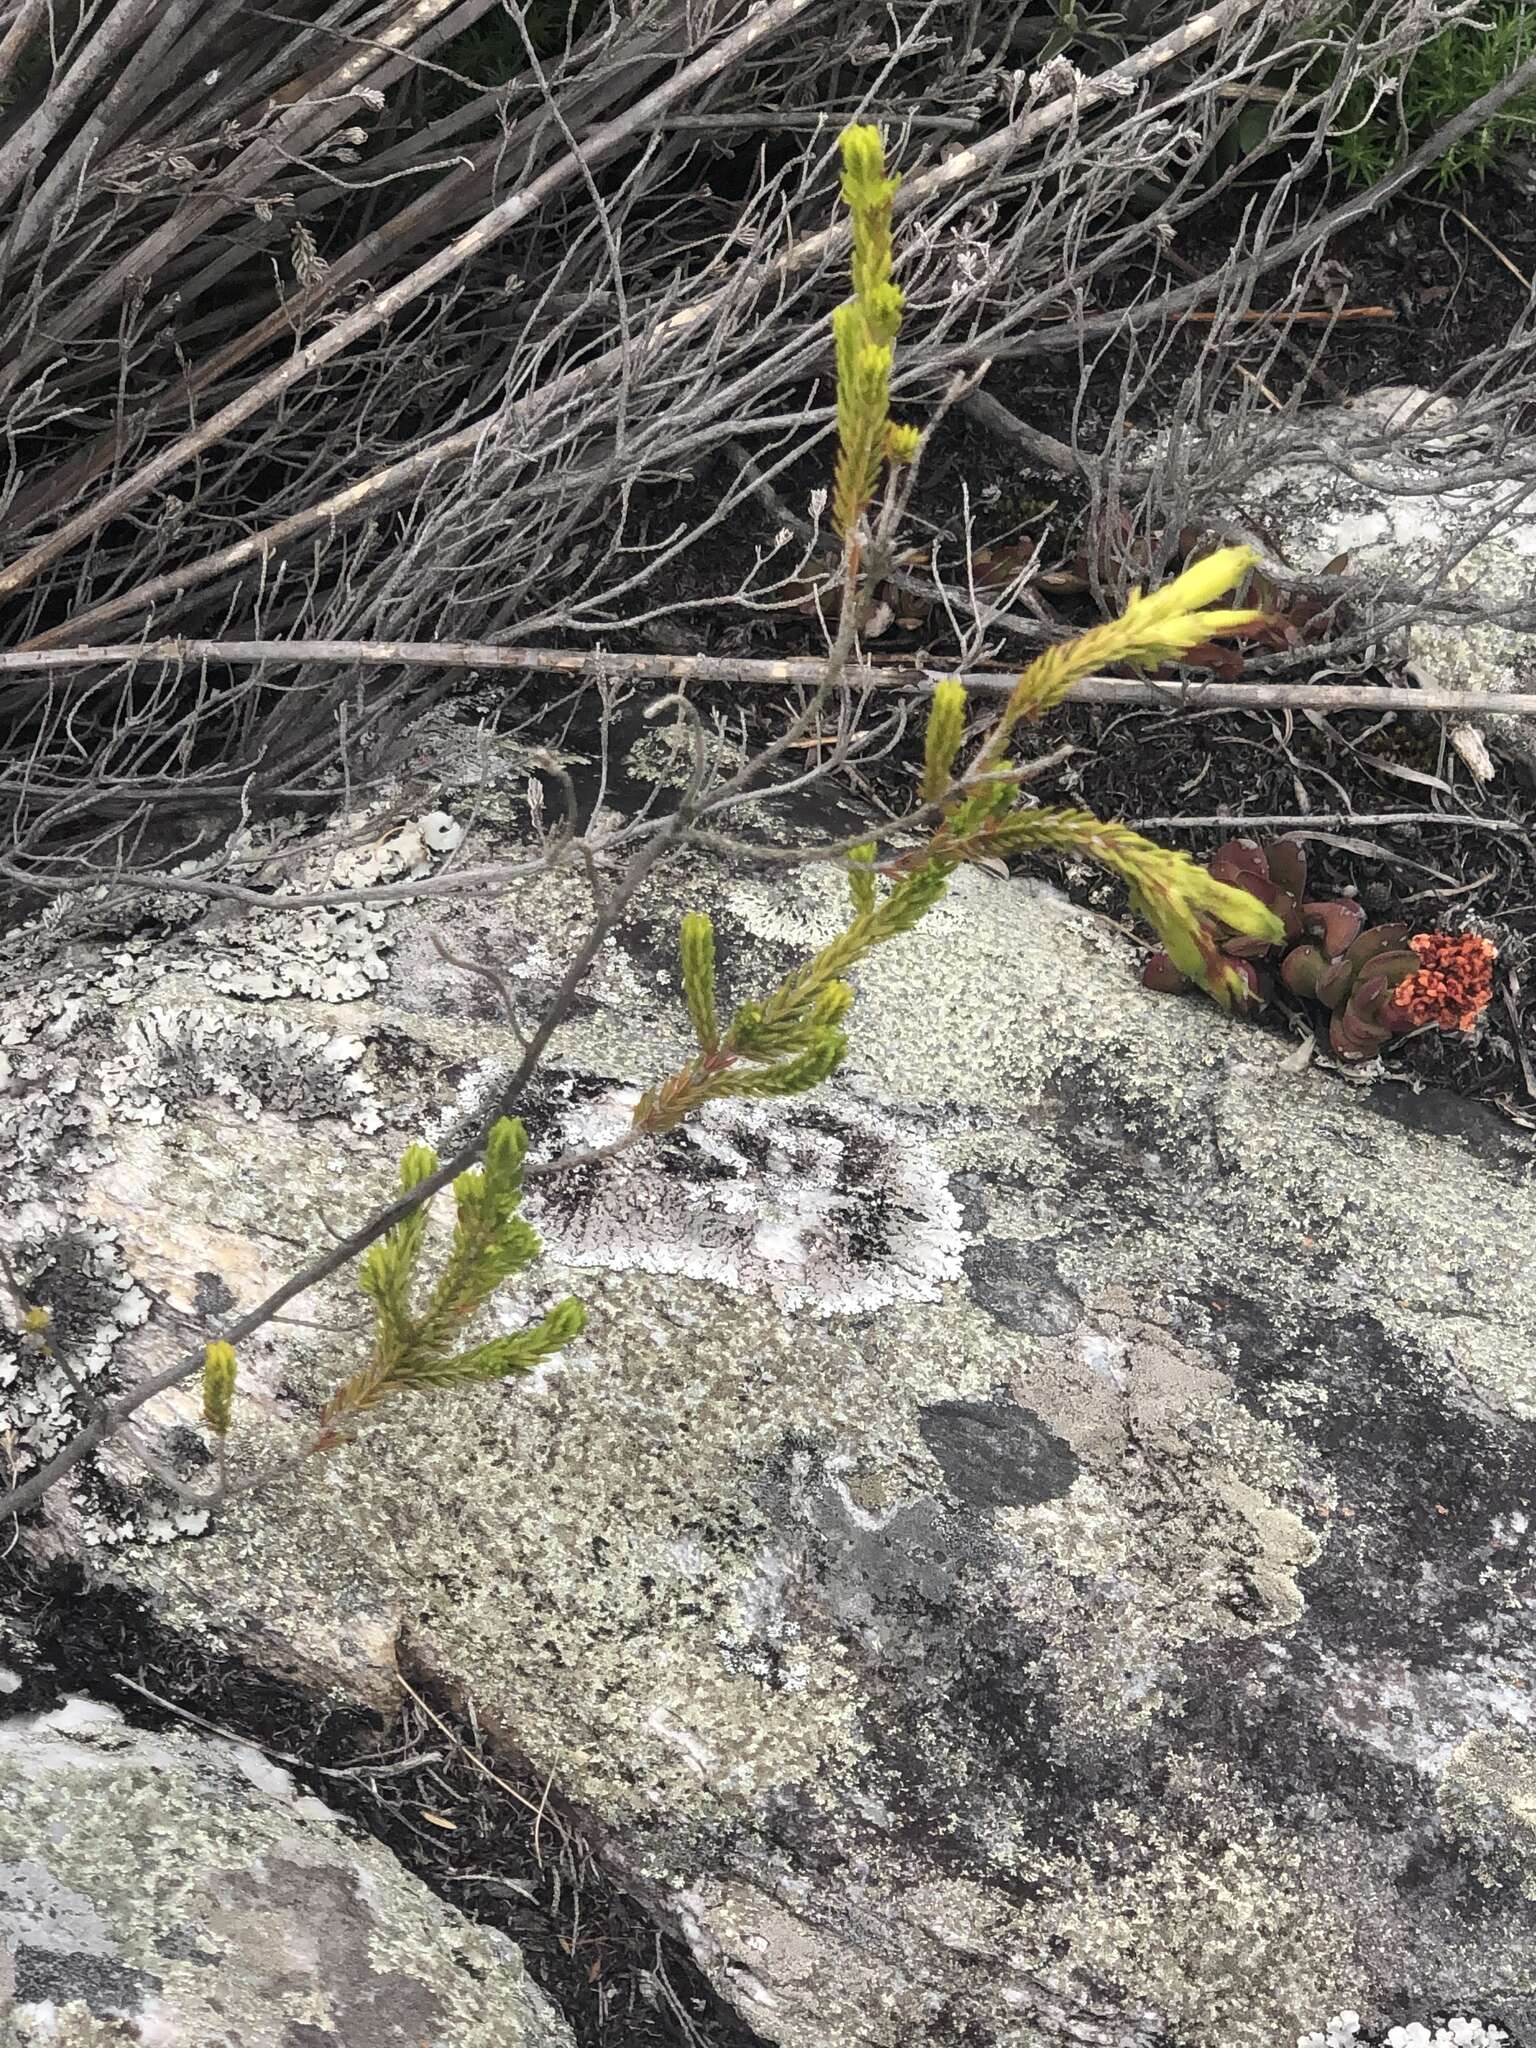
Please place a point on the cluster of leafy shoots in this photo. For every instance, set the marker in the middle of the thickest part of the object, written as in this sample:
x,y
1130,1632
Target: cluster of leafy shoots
x,y
796,1038
864,329
1444,74
414,1346
1376,982
418,1329
972,808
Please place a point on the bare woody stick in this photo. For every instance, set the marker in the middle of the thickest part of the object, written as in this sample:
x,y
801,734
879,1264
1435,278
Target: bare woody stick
x,y
1188,693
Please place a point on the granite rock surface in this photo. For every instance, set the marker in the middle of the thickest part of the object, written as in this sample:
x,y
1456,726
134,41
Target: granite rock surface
x,y
1034,1545
177,1890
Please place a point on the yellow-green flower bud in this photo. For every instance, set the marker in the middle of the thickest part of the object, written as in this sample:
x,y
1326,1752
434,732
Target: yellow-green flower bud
x,y
417,1163
831,1006
946,729
902,444
697,946
218,1386
861,876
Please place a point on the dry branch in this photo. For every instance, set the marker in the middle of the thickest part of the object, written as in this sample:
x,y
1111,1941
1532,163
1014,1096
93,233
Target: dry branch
x,y
604,665
767,21
433,456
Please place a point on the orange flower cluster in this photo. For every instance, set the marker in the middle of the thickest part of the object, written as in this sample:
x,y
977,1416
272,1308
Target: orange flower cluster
x,y
1452,987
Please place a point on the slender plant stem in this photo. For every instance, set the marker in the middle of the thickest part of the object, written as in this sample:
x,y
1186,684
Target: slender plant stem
x,y
1279,821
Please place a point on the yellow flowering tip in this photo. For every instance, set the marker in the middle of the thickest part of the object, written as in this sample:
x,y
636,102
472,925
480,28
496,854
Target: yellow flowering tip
x,y
1204,581
1215,621
862,147
864,179
1241,911
1178,635
36,1320
902,444
219,1370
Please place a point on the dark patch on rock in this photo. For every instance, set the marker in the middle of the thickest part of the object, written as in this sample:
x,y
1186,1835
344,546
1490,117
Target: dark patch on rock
x,y
1256,1706
966,1750
1131,1142
1408,1568
973,1196
1258,1709
1021,1286
747,966
1475,1126
404,1058
180,1945
189,1451
210,1295
109,1989
552,1093
963,1760
997,1454
68,1278
885,1586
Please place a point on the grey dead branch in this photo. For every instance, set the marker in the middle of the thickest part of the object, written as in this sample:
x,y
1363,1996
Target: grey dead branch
x,y
458,422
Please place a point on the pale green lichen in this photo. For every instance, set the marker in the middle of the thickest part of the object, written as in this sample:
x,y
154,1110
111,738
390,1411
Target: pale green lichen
x,y
1488,1798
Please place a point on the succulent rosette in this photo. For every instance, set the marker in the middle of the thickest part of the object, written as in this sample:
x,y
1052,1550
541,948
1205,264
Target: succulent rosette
x,y
1376,981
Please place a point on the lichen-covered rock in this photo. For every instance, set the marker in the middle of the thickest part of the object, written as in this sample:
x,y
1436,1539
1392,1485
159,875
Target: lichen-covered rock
x,y
1034,1546
177,1891
1381,479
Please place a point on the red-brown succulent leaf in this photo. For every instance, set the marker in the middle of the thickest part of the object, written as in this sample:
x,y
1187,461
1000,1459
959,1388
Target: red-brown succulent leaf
x,y
1335,924
1353,1037
1239,861
1334,983
1223,662
1274,898
1380,938
1159,972
1377,985
1301,969
1288,866
1250,974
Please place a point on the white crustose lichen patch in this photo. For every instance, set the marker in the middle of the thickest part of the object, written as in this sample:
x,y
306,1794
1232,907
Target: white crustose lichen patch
x,y
329,954
828,1209
99,1301
172,1058
1458,2031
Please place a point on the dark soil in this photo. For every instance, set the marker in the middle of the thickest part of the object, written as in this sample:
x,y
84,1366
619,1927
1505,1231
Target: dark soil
x,y
478,1828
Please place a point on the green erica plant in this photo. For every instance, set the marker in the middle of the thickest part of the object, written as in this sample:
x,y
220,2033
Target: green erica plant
x,y
1444,74
974,806
419,1328
970,806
